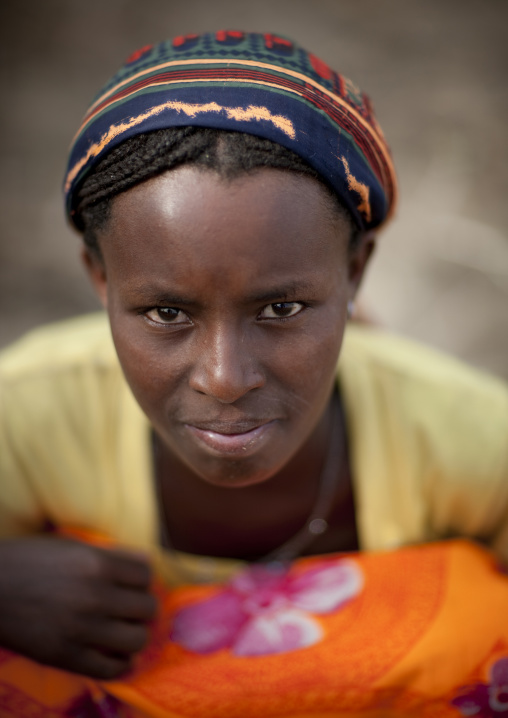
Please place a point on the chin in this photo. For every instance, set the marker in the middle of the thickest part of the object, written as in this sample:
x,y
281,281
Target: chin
x,y
234,477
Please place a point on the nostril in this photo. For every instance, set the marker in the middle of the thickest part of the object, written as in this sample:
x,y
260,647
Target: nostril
x,y
225,383
224,394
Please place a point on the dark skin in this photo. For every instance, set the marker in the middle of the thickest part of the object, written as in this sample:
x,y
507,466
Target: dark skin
x,y
227,523
227,315
74,606
228,303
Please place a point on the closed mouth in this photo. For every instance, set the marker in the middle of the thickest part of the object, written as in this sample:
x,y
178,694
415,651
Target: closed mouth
x,y
233,439
229,428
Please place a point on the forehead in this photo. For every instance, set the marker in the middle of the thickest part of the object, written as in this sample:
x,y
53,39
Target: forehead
x,y
265,221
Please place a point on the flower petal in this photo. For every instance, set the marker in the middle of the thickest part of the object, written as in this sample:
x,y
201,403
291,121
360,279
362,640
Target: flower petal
x,y
324,588
498,699
474,702
279,632
209,625
499,672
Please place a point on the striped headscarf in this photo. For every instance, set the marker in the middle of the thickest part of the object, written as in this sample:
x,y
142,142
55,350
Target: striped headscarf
x,y
261,84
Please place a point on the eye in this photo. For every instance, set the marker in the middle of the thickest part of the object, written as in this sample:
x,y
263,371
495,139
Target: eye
x,y
167,315
281,310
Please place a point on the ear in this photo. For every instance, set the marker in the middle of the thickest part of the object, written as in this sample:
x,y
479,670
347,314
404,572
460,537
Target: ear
x,y
96,270
358,260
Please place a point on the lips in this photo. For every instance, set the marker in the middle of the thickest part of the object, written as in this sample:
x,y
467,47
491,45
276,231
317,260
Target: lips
x,y
233,439
238,426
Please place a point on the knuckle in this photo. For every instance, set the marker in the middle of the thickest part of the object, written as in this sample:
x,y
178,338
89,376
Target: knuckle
x,y
138,572
139,638
128,638
83,561
94,563
133,605
149,606
145,574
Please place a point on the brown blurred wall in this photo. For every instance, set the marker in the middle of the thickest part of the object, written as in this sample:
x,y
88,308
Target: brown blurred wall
x,y
436,70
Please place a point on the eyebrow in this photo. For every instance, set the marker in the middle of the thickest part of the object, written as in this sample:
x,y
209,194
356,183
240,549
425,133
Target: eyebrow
x,y
174,299
279,292
294,289
146,294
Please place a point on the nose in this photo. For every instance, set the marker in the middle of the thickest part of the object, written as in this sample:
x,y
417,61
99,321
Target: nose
x,y
225,367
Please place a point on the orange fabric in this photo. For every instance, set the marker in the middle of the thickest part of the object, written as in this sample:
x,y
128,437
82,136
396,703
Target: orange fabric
x,y
427,621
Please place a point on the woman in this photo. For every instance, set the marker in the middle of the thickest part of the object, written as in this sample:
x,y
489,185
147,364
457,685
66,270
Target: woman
x,y
228,188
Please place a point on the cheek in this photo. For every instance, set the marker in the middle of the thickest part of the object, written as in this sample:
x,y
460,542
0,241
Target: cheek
x,y
307,361
151,367
298,366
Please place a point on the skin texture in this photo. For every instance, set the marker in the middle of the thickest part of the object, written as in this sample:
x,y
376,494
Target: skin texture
x,y
228,301
74,606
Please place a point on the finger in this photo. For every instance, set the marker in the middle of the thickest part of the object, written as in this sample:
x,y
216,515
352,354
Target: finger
x,y
117,637
125,603
129,569
96,664
93,662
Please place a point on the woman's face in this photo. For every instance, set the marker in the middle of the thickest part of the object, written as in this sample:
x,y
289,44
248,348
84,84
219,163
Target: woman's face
x,y
227,302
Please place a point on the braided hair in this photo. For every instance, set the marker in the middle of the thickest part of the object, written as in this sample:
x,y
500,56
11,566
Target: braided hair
x,y
140,158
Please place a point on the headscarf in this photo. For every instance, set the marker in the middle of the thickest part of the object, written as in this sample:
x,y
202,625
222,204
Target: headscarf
x,y
261,84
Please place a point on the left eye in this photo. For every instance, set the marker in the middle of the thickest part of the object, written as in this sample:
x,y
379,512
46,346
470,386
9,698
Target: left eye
x,y
281,310
167,315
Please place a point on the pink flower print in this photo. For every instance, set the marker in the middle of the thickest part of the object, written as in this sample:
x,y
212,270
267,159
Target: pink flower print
x,y
486,700
266,610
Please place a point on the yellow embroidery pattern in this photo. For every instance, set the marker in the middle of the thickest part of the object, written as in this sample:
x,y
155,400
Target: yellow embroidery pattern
x,y
362,189
191,110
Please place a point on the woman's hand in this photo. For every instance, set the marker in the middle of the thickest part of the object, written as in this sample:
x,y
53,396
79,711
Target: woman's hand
x,y
74,606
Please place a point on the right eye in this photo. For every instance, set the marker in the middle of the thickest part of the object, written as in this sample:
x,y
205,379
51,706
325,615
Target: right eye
x,y
167,315
281,310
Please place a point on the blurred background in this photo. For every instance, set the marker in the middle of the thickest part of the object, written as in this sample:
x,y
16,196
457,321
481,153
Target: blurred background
x,y
437,73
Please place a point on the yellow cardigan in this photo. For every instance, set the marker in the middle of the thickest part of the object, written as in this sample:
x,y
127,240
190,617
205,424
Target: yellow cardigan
x,y
428,444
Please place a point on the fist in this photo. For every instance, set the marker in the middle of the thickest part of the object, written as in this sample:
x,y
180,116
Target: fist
x,y
74,606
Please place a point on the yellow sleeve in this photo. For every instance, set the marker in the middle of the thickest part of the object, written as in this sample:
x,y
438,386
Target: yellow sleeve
x,y
74,444
429,444
20,509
